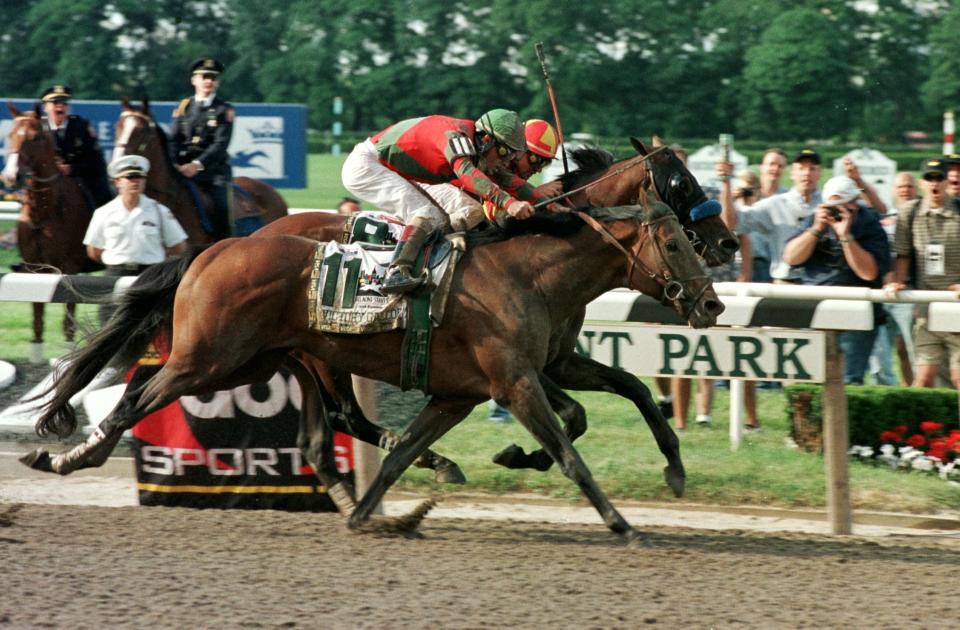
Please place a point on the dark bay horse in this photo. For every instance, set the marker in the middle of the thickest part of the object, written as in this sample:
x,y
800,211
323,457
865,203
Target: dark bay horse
x,y
628,181
54,215
138,133
239,308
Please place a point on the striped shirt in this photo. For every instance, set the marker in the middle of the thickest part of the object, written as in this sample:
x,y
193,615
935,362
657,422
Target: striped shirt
x,y
920,225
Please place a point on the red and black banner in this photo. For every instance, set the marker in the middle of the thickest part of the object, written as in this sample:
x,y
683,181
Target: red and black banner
x,y
231,449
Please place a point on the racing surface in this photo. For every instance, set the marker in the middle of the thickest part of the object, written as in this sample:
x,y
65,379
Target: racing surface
x,y
88,567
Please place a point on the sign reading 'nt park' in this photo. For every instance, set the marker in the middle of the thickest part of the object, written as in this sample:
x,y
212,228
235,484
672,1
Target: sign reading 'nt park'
x,y
752,354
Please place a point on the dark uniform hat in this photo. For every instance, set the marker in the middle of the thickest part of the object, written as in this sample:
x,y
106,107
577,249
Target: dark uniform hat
x,y
952,159
56,94
934,166
807,154
206,65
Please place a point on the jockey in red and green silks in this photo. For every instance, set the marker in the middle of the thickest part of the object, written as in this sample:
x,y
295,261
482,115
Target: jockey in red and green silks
x,y
393,169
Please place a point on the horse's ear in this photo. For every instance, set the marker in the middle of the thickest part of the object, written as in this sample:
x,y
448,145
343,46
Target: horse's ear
x,y
125,103
657,142
145,104
13,109
641,149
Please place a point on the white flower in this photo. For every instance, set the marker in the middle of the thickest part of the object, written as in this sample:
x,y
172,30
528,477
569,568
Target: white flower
x,y
888,449
905,449
922,463
866,452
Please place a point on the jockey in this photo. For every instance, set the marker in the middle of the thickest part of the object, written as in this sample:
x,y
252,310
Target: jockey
x,y
202,128
77,148
387,171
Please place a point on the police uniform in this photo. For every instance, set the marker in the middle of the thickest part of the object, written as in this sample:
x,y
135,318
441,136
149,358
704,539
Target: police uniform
x,y
77,146
201,134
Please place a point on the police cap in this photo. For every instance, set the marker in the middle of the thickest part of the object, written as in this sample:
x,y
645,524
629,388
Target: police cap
x,y
206,65
127,165
57,94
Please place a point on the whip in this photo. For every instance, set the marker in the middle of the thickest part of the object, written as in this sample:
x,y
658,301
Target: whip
x,y
553,102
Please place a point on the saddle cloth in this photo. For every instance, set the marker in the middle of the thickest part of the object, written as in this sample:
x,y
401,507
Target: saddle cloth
x,y
372,227
345,286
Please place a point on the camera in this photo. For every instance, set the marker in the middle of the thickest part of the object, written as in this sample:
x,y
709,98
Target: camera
x,y
834,213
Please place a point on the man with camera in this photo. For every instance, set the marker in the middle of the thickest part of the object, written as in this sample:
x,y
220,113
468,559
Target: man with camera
x,y
843,244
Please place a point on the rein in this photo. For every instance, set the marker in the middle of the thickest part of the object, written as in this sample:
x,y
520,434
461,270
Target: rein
x,y
620,170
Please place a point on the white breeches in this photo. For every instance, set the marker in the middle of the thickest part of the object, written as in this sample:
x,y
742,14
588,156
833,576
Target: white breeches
x,y
367,178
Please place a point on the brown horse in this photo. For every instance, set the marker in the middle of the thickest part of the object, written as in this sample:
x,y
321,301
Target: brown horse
x,y
138,133
241,306
54,215
601,182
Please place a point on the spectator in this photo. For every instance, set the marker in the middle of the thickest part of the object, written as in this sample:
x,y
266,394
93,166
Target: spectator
x,y
869,194
928,233
348,206
131,232
202,128
771,172
843,244
77,148
898,331
953,174
776,218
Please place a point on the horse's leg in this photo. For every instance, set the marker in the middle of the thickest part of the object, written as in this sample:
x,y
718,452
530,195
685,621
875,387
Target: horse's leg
x,y
315,438
581,373
438,417
96,449
528,402
574,425
70,321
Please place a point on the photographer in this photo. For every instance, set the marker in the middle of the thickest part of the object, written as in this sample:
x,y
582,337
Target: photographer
x,y
843,244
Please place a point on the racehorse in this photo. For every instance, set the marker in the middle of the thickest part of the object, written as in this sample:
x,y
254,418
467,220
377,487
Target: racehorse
x,y
599,181
54,215
239,308
138,133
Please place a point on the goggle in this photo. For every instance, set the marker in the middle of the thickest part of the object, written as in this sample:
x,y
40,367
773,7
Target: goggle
x,y
536,159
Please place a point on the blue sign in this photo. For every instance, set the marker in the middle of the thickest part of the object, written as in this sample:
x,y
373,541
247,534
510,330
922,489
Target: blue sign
x,y
269,140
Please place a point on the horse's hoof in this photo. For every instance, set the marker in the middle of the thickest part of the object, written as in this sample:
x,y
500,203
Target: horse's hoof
x,y
636,540
540,461
449,473
405,526
38,460
676,479
511,457
666,408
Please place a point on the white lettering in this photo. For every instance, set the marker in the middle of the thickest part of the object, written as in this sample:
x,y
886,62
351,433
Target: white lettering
x,y
220,406
183,457
156,460
264,458
274,404
225,468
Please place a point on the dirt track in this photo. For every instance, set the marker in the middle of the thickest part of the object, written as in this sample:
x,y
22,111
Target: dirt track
x,y
159,567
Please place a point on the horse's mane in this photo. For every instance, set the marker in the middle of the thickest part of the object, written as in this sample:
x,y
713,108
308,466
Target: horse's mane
x,y
561,225
590,161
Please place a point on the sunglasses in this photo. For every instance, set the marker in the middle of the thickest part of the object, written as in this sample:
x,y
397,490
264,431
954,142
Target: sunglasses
x,y
212,77
745,192
934,178
536,160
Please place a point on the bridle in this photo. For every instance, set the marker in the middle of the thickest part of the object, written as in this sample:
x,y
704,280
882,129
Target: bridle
x,y
35,191
673,288
131,113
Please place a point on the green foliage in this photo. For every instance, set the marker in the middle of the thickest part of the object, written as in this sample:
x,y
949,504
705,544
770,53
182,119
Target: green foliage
x,y
873,409
942,90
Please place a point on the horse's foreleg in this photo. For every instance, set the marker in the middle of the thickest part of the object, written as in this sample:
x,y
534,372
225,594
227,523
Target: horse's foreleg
x,y
95,450
574,419
581,373
434,420
529,403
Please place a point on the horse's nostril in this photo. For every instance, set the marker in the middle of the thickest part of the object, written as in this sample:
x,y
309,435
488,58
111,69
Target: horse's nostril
x,y
714,307
730,244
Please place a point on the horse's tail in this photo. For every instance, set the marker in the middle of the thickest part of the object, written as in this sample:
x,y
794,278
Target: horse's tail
x,y
142,311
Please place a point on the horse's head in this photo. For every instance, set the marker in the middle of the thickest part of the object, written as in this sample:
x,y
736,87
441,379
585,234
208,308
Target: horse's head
x,y
677,187
664,266
31,150
137,132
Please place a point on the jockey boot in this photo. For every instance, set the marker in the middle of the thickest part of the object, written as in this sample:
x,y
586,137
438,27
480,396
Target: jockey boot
x,y
400,277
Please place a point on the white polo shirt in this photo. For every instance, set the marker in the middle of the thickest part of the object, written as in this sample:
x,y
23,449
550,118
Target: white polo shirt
x,y
138,236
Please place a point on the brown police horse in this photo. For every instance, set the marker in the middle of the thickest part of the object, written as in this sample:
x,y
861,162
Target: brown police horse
x,y
240,307
55,212
137,132
600,181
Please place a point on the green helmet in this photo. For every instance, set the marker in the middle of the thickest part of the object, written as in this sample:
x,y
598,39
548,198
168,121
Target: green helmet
x,y
505,126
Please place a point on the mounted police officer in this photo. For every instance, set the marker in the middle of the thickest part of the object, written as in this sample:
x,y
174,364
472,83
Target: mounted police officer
x,y
77,147
387,170
202,127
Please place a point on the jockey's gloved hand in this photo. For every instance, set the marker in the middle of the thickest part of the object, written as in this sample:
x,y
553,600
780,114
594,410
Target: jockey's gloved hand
x,y
520,209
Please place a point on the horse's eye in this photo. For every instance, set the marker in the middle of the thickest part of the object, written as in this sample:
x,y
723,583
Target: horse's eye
x,y
681,184
672,246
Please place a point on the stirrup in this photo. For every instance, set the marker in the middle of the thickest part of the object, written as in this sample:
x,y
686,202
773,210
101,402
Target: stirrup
x,y
401,281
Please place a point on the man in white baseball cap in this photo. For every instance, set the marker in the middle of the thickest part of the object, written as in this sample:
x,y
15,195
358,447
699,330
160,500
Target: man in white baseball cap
x,y
131,232
843,244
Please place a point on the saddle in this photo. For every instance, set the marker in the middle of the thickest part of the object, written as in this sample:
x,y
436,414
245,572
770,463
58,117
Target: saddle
x,y
244,214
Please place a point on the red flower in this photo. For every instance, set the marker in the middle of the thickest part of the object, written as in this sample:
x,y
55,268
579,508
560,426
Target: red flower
x,y
901,429
889,436
930,427
916,440
938,449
